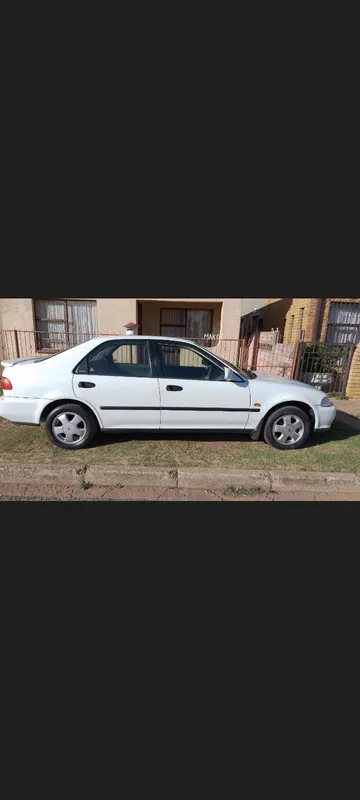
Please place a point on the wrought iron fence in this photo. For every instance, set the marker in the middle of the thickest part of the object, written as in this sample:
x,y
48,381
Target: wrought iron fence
x,y
325,366
19,344
229,349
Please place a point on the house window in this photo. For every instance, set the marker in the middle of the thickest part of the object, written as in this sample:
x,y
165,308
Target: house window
x,y
344,323
64,323
183,323
301,321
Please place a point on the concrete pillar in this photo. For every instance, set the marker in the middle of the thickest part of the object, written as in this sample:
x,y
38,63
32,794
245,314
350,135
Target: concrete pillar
x,y
114,313
17,313
230,318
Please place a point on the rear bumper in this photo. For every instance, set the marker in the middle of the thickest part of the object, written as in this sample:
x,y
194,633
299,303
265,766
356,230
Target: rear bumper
x,y
326,418
21,410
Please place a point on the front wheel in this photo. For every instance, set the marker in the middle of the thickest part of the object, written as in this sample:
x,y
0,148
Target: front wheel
x,y
70,426
288,428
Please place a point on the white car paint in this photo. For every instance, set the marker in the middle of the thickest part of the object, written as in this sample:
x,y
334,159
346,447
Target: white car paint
x,y
213,398
270,391
131,392
148,404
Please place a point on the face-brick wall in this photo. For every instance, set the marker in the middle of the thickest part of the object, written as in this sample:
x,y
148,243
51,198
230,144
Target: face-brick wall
x,y
274,313
353,385
308,314
291,315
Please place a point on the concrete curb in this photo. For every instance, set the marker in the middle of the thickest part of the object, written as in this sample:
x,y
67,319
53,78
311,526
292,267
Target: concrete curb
x,y
195,478
46,474
256,481
148,477
314,481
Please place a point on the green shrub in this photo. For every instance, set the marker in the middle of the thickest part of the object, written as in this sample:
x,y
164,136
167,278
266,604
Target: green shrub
x,y
321,357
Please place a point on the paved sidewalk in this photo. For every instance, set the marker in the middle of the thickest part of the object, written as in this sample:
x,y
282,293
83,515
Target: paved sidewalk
x,y
19,492
348,412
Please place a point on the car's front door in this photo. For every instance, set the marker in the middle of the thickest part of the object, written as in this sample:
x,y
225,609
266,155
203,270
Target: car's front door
x,y
117,379
194,393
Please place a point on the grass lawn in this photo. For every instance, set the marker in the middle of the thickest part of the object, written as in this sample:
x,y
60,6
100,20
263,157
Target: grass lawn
x,y
336,451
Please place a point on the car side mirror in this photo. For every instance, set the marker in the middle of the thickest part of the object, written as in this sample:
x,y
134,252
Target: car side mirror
x,y
230,375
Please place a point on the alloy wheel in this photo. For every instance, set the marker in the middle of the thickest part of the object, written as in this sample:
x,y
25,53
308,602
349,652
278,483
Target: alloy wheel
x,y
69,428
288,429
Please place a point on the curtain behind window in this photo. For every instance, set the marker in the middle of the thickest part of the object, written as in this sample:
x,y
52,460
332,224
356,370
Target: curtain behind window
x,y
198,323
82,320
80,325
173,322
343,314
51,335
191,323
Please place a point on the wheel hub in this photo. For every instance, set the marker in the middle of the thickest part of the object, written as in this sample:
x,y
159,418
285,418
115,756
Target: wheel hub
x,y
288,429
69,428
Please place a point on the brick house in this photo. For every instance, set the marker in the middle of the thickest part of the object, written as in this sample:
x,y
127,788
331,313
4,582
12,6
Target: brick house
x,y
332,319
46,325
193,316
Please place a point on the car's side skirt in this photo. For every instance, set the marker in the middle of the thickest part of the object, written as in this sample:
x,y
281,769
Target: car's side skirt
x,y
177,408
179,431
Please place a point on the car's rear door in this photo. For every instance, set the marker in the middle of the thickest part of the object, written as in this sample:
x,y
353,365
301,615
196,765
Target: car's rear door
x,y
118,380
193,392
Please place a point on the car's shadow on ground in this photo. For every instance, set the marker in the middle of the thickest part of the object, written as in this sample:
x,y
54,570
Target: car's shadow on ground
x,y
338,432
103,439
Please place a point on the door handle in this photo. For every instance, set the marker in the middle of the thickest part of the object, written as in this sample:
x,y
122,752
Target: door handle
x,y
174,388
85,385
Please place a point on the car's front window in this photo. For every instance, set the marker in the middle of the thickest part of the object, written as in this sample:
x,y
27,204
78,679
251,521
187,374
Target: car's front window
x,y
180,362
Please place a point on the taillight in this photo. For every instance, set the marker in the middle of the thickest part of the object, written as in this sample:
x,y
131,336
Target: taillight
x,y
6,385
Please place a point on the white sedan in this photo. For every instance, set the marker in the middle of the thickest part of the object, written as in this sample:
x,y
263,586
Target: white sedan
x,y
156,383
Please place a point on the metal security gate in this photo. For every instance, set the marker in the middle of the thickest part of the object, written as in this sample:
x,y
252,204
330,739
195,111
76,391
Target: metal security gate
x,y
325,366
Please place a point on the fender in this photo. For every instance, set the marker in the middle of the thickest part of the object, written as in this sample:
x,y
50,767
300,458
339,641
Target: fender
x,y
49,401
277,402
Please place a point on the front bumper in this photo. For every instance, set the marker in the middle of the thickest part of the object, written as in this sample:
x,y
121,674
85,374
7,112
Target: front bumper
x,y
326,416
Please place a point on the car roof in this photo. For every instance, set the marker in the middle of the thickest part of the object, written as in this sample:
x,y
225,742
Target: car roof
x,y
110,338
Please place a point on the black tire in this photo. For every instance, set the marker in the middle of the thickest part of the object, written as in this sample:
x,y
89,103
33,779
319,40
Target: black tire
x,y
79,434
285,440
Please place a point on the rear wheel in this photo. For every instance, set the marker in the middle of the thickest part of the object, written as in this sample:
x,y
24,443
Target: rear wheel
x,y
288,428
70,426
